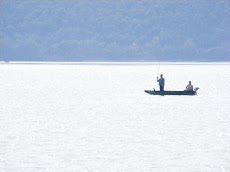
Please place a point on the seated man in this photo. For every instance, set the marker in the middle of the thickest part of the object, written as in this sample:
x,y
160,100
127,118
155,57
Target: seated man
x,y
189,87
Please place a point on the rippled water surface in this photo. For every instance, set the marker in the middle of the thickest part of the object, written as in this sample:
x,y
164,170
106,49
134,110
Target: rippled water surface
x,y
96,117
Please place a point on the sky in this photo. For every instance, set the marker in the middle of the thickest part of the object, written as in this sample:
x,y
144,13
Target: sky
x,y
33,30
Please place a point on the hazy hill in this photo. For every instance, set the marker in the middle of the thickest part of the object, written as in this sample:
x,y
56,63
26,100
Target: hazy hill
x,y
115,30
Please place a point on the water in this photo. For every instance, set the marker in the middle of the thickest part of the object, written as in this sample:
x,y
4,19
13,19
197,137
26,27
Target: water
x,y
96,117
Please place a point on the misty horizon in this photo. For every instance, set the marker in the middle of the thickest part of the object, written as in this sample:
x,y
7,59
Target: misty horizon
x,y
120,31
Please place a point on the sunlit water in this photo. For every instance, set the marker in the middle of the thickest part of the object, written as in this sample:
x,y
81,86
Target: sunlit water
x,y
94,117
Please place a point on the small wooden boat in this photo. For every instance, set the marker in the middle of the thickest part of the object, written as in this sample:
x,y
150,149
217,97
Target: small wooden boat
x,y
179,93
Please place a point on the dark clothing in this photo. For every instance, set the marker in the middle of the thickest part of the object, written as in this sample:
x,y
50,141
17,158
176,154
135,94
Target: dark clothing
x,y
161,83
161,88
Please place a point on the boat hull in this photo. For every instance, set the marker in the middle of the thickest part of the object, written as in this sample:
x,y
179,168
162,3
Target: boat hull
x,y
179,93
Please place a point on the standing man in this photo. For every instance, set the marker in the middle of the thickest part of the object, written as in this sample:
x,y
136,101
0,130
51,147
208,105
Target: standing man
x,y
161,82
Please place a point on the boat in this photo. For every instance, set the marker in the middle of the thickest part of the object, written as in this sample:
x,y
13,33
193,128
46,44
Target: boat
x,y
179,93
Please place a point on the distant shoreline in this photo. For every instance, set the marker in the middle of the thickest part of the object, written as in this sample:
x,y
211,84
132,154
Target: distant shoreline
x,y
113,63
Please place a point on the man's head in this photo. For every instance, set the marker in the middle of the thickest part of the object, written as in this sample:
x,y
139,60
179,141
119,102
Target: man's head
x,y
161,75
189,82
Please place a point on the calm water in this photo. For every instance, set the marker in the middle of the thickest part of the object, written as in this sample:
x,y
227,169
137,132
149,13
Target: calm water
x,y
91,117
